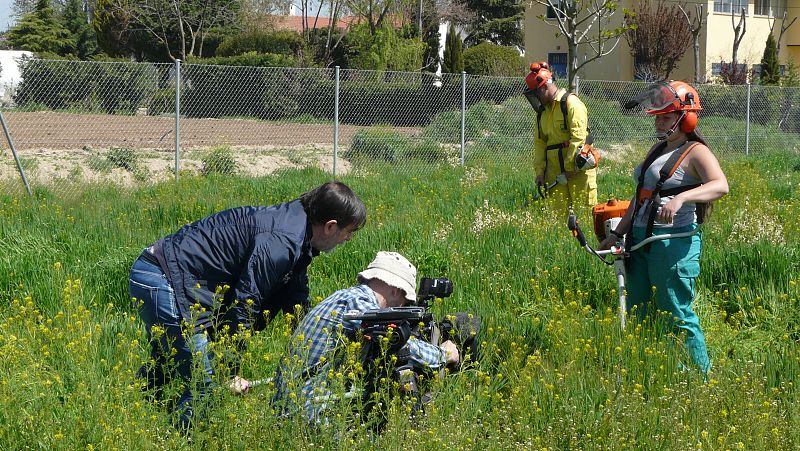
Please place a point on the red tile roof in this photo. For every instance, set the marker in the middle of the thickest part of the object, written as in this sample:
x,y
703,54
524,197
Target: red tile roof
x,y
295,23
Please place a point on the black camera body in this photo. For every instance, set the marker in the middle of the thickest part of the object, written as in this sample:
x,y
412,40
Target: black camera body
x,y
404,322
431,288
385,333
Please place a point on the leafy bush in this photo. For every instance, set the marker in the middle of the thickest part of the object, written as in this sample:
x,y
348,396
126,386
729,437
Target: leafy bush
x,y
219,160
214,89
282,42
163,102
426,150
383,49
115,88
377,143
493,60
383,144
124,158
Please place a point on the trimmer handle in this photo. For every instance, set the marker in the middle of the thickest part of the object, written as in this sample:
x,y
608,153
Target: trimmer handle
x,y
572,224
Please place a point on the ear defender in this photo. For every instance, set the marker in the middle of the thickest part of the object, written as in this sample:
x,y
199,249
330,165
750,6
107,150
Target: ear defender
x,y
689,122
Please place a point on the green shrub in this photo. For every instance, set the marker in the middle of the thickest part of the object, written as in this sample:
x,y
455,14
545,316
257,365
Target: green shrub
x,y
219,160
115,88
282,42
426,150
377,143
383,49
163,102
124,158
493,60
251,59
384,144
214,89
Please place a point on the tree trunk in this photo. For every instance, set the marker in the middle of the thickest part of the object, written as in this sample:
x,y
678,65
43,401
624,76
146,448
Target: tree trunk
x,y
697,78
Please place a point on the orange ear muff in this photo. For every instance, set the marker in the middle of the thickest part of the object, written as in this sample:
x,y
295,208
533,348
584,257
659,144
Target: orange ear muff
x,y
689,122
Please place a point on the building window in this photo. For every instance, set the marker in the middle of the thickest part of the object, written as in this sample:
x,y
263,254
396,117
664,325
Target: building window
x,y
551,12
716,69
756,70
731,6
558,63
771,8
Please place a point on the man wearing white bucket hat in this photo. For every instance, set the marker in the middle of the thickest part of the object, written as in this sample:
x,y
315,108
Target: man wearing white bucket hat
x,y
304,376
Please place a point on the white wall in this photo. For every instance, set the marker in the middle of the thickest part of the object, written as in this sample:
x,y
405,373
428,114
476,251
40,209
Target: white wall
x,y
9,72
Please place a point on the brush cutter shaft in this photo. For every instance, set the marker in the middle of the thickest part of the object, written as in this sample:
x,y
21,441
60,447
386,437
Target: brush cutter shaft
x,y
618,252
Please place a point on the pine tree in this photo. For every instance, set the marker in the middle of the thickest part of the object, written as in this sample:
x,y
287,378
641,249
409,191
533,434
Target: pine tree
x,y
792,75
40,31
770,68
453,61
84,42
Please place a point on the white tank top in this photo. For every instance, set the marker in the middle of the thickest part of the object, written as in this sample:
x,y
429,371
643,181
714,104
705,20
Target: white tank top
x,y
686,215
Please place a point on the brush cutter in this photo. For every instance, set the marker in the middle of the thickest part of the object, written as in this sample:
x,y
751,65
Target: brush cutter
x,y
606,217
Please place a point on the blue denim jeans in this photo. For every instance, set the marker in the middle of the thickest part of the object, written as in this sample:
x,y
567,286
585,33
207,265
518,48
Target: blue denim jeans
x,y
171,353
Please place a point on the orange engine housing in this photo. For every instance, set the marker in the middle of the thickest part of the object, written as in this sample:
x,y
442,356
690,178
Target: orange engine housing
x,y
602,212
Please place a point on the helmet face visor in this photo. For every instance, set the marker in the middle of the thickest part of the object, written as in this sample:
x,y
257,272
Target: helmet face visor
x,y
533,99
658,97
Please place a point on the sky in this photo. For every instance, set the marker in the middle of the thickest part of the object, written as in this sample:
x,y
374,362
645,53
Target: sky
x,y
5,14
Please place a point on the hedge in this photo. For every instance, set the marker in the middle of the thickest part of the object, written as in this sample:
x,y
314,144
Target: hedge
x,y
493,60
110,87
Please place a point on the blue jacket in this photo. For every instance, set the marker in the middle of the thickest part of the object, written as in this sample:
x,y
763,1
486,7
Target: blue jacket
x,y
260,253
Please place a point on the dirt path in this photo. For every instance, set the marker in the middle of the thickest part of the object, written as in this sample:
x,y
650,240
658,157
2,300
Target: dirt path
x,y
55,130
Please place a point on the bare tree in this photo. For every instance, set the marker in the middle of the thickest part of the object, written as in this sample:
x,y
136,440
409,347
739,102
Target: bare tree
x,y
658,37
738,33
373,12
178,24
696,23
260,14
455,11
585,23
784,27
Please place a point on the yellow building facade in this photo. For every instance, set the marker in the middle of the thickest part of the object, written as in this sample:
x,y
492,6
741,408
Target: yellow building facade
x,y
716,39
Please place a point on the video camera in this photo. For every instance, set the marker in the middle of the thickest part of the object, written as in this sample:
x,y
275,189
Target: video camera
x,y
398,324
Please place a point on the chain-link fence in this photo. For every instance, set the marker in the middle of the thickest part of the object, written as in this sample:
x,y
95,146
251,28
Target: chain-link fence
x,y
75,123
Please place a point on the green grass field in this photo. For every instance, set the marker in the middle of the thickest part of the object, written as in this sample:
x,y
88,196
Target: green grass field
x,y
556,371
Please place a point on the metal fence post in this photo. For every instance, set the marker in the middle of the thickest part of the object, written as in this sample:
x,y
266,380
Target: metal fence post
x,y
14,152
747,124
577,85
177,118
336,123
463,113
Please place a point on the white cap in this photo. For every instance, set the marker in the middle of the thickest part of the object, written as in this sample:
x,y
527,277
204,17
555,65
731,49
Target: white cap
x,y
394,270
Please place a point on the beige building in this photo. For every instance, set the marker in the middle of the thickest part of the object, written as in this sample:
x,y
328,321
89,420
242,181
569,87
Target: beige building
x,y
716,40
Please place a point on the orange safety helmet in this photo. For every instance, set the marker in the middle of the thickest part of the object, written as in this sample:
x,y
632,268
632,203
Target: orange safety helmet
x,y
538,79
677,96
535,66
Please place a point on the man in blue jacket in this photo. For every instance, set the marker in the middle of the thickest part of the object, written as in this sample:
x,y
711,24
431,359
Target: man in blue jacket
x,y
223,273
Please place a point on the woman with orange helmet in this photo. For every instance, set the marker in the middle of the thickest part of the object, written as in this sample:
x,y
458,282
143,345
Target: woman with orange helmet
x,y
678,178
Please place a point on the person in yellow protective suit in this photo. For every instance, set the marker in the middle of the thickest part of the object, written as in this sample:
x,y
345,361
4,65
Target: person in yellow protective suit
x,y
558,138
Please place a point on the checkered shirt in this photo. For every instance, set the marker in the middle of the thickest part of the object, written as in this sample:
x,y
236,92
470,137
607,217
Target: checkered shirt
x,y
321,332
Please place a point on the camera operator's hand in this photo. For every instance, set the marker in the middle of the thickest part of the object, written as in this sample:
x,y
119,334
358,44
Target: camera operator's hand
x,y
450,351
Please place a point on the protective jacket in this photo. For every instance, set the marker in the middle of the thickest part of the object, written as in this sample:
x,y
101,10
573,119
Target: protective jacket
x,y
260,253
552,131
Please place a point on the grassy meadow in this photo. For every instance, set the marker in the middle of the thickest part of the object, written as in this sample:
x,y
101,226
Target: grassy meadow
x,y
556,372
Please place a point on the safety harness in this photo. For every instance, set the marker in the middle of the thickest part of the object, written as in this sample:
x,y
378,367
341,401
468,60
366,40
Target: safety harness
x,y
654,196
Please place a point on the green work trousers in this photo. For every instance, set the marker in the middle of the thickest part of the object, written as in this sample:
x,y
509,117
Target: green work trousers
x,y
672,267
